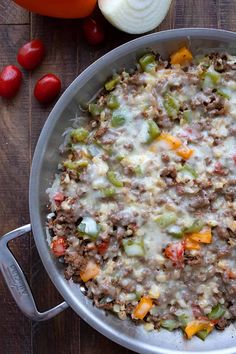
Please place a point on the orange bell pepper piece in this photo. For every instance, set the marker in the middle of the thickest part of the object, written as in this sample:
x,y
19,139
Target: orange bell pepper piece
x,y
90,272
182,56
203,236
196,326
174,142
185,153
143,307
191,245
59,8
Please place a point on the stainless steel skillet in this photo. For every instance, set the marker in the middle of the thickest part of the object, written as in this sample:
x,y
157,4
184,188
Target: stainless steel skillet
x,y
44,165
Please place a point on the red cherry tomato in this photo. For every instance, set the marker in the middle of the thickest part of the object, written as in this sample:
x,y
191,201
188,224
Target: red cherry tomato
x,y
47,88
102,247
59,247
59,197
10,81
31,54
93,31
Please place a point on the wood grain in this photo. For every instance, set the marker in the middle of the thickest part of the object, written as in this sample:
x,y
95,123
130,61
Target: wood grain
x,y
14,176
195,13
21,122
226,10
11,13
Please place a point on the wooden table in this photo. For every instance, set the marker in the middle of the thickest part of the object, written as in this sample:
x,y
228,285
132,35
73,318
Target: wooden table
x,y
21,120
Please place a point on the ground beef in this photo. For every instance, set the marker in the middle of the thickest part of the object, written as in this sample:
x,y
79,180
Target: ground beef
x,y
213,104
169,171
221,232
77,261
123,218
165,157
221,324
230,193
232,308
199,99
192,260
232,130
200,201
163,121
100,132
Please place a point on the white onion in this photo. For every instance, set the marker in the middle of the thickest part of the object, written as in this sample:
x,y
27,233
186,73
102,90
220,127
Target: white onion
x,y
134,16
89,226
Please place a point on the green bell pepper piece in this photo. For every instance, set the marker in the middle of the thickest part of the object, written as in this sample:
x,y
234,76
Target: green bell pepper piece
x,y
75,165
217,312
183,319
111,84
138,171
188,116
148,62
175,231
79,135
170,325
113,179
211,79
119,157
109,192
195,227
95,109
112,102
202,334
189,170
166,219
117,120
153,131
171,106
214,76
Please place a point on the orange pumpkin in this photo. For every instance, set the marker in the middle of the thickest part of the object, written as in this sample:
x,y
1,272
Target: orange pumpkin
x,y
59,8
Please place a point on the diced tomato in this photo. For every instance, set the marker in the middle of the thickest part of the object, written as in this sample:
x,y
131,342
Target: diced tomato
x,y
175,252
58,247
59,197
102,247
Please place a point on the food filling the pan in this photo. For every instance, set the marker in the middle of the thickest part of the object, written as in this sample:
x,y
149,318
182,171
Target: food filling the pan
x,y
143,209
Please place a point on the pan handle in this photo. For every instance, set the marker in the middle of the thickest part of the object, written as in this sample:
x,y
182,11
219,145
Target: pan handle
x,y
17,283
